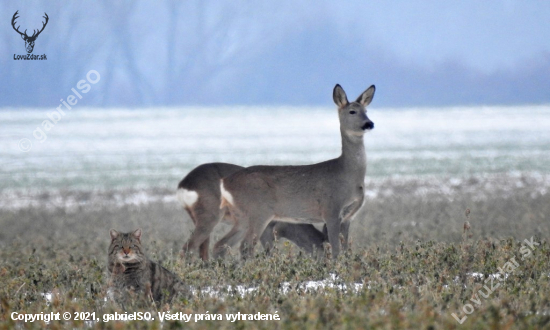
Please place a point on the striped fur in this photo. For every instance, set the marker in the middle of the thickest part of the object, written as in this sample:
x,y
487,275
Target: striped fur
x,y
133,277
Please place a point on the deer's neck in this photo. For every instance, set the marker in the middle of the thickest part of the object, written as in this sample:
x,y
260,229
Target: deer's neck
x,y
354,157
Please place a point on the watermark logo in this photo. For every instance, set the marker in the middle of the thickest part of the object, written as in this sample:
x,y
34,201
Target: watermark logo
x,y
29,40
508,268
25,145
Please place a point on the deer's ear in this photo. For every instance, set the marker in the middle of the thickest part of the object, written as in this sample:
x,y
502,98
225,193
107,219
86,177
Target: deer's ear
x,y
339,96
114,234
23,37
366,98
137,234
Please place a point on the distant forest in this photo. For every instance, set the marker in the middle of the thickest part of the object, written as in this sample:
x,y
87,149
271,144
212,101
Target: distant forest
x,y
170,53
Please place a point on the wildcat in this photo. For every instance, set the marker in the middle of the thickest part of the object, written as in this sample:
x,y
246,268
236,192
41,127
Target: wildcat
x,y
133,277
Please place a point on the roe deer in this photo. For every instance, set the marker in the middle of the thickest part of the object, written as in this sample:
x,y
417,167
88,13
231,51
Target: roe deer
x,y
329,192
199,193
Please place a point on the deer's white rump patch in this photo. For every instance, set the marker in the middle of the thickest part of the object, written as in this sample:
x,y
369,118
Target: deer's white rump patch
x,y
226,194
186,197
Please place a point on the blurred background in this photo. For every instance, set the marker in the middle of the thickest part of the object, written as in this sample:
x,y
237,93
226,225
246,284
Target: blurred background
x,y
157,53
463,91
461,110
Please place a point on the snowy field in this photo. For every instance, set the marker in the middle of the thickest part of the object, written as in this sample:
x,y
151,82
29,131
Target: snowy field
x,y
99,149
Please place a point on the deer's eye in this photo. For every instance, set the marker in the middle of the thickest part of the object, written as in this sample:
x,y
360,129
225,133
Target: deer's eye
x,y
352,112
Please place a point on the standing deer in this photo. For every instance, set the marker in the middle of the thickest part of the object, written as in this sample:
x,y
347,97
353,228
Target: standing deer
x,y
329,192
199,193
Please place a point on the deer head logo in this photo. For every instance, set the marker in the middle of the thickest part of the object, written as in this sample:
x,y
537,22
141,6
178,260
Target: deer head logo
x,y
29,40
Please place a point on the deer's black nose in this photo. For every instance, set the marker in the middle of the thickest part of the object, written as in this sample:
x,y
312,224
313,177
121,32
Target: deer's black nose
x,y
368,125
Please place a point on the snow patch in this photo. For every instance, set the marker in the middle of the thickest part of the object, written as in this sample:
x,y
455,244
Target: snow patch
x,y
333,283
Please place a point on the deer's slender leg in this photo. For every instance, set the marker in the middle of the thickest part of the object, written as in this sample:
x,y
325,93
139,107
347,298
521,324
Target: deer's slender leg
x,y
333,230
258,222
344,230
233,237
200,237
203,249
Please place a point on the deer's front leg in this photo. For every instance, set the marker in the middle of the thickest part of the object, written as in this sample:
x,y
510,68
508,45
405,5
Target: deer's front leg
x,y
348,212
333,232
257,225
234,236
344,229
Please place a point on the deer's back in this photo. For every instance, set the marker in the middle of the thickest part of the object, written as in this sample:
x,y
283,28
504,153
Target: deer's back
x,y
294,191
208,174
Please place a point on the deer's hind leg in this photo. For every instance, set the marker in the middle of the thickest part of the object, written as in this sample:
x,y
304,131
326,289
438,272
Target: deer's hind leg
x,y
204,249
234,236
257,226
205,219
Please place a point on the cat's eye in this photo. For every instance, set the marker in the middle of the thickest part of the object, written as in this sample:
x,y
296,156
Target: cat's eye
x,y
352,112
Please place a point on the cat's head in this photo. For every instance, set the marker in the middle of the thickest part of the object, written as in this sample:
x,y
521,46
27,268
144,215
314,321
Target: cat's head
x,y
126,247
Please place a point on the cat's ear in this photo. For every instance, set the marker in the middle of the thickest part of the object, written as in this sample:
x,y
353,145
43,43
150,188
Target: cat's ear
x,y
114,234
137,234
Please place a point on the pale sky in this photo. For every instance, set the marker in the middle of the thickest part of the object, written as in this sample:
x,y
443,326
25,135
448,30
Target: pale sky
x,y
486,35
281,52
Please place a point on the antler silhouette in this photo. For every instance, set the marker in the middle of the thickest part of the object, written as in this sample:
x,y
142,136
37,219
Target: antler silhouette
x,y
43,26
24,34
17,29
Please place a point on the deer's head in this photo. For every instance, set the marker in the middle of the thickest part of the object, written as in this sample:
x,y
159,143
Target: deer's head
x,y
29,40
353,116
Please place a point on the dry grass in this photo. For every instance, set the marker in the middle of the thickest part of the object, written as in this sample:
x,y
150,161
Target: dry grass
x,y
409,252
